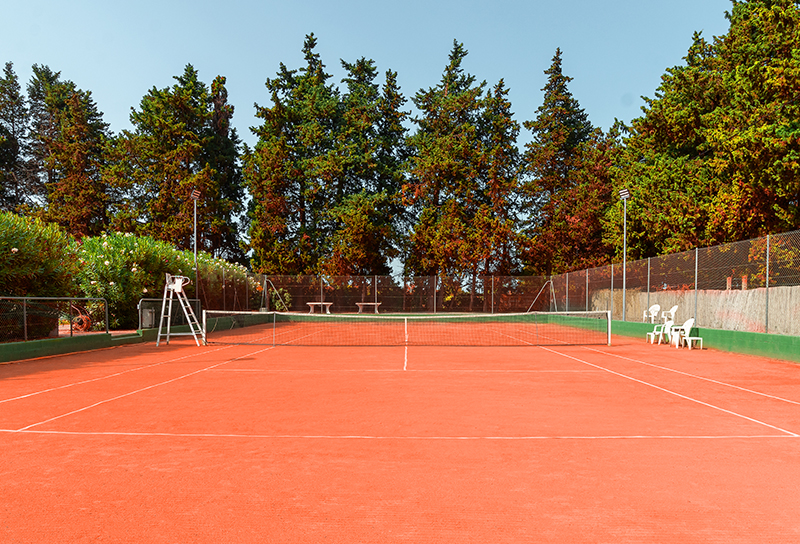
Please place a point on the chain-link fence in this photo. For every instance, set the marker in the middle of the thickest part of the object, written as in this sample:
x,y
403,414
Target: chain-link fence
x,y
752,286
388,294
33,318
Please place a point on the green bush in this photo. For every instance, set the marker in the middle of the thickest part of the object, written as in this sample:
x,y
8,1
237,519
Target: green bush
x,y
123,268
36,258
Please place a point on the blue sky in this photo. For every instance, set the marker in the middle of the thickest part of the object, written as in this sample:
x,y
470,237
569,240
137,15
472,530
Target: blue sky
x,y
614,51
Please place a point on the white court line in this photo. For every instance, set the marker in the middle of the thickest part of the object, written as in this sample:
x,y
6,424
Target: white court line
x,y
106,377
696,376
674,393
139,390
428,370
404,438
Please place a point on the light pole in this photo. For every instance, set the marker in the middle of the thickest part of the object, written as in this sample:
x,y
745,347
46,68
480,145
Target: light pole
x,y
624,194
195,197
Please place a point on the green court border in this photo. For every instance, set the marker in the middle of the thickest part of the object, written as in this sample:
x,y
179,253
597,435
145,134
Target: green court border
x,y
774,346
749,343
49,347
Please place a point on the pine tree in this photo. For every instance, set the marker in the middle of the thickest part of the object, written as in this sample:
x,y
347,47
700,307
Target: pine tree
x,y
364,236
293,174
180,143
43,129
445,167
222,154
14,189
76,198
716,157
560,127
496,224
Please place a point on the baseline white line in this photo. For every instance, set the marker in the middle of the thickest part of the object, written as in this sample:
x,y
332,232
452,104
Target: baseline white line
x,y
138,391
379,437
443,370
108,376
675,393
696,376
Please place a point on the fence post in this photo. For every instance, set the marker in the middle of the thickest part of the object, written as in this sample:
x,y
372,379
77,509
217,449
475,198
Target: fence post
x,y
492,294
766,318
611,305
566,293
435,286
696,256
587,289
648,282
25,319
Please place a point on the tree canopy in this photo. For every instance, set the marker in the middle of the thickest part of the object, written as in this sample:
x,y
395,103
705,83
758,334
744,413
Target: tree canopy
x,y
344,180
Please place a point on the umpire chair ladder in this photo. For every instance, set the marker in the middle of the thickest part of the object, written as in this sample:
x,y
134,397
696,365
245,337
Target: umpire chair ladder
x,y
172,289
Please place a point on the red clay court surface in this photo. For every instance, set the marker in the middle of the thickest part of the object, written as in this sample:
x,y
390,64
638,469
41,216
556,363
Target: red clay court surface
x,y
238,444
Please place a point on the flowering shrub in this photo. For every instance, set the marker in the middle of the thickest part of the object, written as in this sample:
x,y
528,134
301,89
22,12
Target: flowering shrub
x,y
40,259
36,258
123,268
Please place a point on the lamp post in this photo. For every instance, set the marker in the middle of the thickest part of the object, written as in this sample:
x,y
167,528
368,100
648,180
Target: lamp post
x,y
624,194
195,197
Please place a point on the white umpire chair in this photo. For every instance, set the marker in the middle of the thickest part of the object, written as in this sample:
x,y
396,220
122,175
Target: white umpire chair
x,y
174,288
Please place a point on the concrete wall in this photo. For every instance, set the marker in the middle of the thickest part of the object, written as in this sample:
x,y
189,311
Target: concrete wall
x,y
733,310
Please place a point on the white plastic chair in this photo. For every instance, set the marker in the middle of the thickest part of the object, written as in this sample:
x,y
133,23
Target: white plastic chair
x,y
651,314
660,331
686,337
669,314
684,334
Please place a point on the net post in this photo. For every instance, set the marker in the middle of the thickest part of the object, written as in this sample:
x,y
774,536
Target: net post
x,y
608,323
205,340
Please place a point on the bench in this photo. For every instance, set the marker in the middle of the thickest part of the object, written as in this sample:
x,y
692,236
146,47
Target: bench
x,y
326,305
362,304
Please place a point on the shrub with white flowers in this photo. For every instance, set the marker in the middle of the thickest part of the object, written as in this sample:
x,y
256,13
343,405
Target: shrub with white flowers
x,y
36,258
123,268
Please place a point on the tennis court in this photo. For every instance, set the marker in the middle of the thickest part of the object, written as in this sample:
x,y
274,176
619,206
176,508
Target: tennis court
x,y
259,443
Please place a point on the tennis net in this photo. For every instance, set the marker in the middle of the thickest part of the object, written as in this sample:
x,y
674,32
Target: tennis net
x,y
293,329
